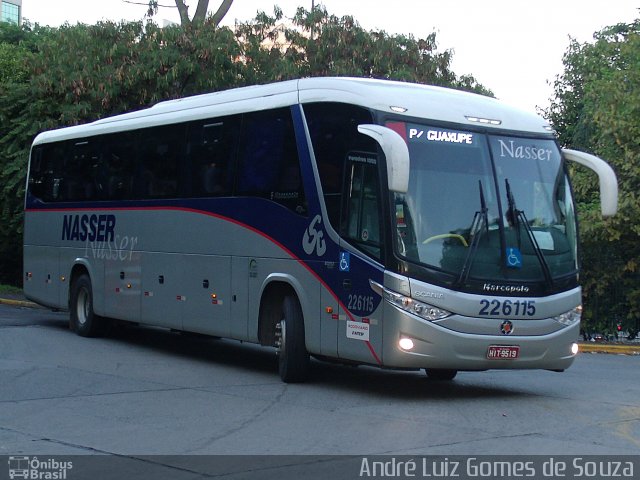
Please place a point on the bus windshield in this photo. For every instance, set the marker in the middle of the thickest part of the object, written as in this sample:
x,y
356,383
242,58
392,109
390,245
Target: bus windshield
x,y
485,207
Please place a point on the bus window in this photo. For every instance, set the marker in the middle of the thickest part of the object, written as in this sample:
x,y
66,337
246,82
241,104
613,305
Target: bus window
x,y
211,150
361,223
80,169
46,173
160,151
38,174
117,170
268,162
333,128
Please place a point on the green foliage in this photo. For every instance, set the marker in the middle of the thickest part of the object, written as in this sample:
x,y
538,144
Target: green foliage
x,y
56,77
15,47
12,64
95,71
597,109
10,290
13,34
320,44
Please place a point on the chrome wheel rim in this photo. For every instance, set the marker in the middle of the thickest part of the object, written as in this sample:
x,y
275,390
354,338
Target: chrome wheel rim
x,y
83,306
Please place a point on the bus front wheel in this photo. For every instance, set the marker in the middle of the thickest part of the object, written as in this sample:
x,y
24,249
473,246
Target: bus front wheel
x,y
83,319
293,358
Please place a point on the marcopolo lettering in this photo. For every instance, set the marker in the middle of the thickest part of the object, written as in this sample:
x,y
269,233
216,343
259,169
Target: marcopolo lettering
x,y
491,287
94,228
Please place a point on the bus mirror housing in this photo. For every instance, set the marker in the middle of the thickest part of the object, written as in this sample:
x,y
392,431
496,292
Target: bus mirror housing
x,y
396,152
606,175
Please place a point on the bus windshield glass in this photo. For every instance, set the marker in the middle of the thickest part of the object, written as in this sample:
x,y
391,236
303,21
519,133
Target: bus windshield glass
x,y
485,207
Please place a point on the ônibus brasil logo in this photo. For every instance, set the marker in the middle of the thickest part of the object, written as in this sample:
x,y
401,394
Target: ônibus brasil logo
x,y
36,469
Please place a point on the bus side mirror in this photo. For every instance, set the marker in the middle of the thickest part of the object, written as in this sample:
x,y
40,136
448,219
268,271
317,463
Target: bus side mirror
x,y
396,152
606,176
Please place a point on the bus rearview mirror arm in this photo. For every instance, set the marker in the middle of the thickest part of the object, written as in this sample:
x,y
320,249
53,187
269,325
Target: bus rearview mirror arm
x,y
606,175
396,152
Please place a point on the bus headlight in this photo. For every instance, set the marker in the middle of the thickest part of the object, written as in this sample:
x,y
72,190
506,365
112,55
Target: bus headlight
x,y
569,318
423,310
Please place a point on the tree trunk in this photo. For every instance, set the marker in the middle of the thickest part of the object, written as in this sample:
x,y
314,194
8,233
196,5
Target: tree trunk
x,y
184,13
201,12
222,11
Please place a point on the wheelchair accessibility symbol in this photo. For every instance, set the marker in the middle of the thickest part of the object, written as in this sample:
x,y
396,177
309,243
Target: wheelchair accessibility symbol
x,y
345,261
514,258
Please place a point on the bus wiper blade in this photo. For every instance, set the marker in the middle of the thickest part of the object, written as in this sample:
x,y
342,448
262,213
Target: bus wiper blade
x,y
480,221
512,212
516,217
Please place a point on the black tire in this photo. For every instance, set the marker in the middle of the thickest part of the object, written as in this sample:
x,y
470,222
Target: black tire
x,y
82,318
440,374
293,358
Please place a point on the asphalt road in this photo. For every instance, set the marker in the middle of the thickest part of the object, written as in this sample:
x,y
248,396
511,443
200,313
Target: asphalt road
x,y
152,392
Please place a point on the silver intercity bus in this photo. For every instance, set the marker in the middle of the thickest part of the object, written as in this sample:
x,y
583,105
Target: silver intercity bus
x,y
356,220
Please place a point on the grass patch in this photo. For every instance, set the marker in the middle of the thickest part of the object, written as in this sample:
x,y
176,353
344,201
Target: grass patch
x,y
9,289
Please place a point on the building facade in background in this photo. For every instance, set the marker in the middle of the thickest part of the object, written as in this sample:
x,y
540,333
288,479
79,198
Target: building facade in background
x,y
11,11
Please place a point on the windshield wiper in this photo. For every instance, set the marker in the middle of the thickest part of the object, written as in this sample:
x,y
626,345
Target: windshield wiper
x,y
516,217
480,221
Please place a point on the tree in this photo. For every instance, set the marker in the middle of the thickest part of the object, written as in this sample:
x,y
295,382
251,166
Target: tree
x,y
82,73
597,109
201,11
317,44
16,50
76,74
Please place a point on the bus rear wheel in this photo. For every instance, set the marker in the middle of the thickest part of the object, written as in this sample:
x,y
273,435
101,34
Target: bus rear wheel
x,y
83,319
293,358
440,374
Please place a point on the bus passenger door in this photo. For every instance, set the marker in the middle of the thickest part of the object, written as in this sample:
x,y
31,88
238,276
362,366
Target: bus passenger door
x,y
360,335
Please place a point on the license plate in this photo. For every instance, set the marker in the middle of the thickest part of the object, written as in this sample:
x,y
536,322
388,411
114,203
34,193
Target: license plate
x,y
500,352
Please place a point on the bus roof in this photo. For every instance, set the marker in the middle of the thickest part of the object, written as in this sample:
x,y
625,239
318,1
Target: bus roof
x,y
420,101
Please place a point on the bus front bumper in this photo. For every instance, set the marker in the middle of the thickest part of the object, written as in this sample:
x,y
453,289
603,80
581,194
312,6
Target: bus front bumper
x,y
438,347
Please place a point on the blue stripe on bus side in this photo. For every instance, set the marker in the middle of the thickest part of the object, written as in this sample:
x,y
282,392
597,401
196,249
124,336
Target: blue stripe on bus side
x,y
286,235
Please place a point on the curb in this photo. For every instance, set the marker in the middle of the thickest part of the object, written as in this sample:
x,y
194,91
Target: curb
x,y
18,303
608,348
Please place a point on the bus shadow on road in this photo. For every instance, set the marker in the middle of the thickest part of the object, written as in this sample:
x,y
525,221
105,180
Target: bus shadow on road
x,y
395,385
399,385
192,346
